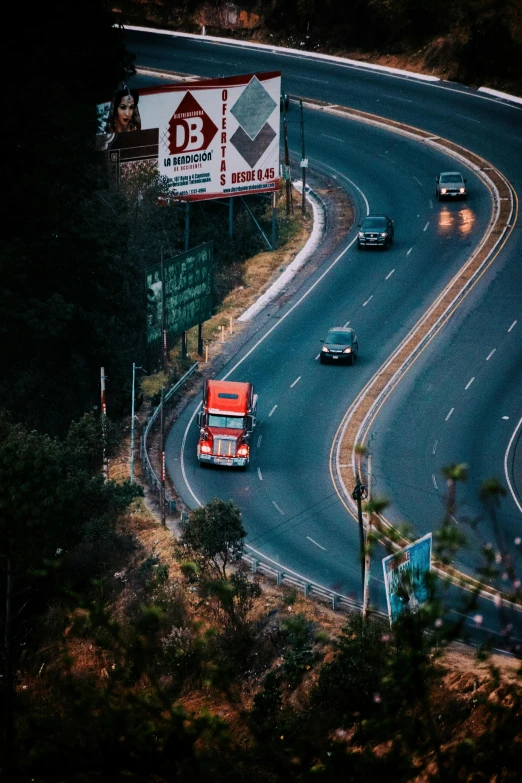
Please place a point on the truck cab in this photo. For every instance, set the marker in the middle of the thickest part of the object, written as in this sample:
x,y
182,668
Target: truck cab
x,y
226,421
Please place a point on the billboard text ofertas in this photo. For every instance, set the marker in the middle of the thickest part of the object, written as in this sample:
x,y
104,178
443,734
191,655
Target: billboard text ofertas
x,y
215,137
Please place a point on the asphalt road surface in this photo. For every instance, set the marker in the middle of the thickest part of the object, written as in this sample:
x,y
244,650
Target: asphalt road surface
x,y
460,402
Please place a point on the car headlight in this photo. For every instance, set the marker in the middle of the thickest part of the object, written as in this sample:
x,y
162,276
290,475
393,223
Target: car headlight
x,y
463,190
361,234
347,350
384,234
324,349
443,190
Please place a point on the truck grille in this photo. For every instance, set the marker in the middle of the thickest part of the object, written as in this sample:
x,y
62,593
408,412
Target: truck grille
x,y
223,447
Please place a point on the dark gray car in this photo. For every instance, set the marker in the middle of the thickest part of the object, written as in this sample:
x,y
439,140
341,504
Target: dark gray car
x,y
341,345
376,231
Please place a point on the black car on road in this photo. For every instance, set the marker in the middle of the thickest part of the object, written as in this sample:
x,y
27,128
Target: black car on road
x,y
375,231
341,345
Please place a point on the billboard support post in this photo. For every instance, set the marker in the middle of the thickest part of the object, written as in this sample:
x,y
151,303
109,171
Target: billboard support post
x,y
303,160
200,339
230,217
287,164
165,368
274,220
187,225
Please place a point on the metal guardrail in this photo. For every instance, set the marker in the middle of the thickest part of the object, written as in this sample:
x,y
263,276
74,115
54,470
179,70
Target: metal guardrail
x,y
309,589
152,479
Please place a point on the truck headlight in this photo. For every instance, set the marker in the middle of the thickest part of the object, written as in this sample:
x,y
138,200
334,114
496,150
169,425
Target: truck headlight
x,y
205,448
242,450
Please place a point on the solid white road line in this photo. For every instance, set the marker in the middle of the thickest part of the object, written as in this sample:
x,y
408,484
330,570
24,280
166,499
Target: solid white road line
x,y
506,469
449,414
469,383
315,542
471,119
294,383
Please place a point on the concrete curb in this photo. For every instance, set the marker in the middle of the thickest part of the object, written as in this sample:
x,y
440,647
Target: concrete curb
x,y
313,242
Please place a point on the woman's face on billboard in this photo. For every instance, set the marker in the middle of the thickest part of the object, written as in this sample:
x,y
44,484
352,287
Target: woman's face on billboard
x,y
124,113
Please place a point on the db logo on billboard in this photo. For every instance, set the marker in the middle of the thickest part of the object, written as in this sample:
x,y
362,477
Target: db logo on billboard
x,y
190,127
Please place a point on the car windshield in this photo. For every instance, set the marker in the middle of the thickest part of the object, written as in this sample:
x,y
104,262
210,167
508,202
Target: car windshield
x,y
374,222
227,422
450,178
338,338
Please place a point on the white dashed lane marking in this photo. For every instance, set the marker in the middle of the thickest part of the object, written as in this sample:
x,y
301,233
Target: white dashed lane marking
x,y
259,474
277,507
368,300
273,409
470,382
409,251
259,441
449,414
490,354
426,226
512,325
389,274
434,481
315,542
294,383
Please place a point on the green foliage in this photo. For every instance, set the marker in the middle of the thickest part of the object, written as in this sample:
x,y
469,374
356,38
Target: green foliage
x,y
213,535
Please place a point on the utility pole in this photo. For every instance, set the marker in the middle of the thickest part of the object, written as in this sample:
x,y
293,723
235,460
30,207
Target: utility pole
x,y
304,162
134,368
366,592
287,166
359,494
165,368
105,466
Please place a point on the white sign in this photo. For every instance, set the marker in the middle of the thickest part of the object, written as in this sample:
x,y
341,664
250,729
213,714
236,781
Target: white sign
x,y
211,138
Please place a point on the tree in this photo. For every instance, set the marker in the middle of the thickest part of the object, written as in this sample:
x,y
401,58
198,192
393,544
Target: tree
x,y
213,536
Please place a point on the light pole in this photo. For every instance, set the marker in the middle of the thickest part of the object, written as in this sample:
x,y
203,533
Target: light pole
x,y
359,494
134,368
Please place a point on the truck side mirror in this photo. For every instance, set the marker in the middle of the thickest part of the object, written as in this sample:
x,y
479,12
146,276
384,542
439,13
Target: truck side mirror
x,y
200,418
251,423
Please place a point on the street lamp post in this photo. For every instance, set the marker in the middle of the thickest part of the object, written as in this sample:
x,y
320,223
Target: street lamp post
x,y
359,494
134,368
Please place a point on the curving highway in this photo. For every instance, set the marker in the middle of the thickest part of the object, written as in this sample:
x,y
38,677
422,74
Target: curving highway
x,y
459,402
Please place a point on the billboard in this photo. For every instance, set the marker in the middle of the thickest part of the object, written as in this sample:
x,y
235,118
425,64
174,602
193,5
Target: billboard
x,y
405,577
210,138
188,292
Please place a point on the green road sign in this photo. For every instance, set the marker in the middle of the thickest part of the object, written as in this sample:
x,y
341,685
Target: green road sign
x,y
188,292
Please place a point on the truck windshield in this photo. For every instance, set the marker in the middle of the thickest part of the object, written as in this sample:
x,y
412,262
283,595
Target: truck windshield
x,y
228,422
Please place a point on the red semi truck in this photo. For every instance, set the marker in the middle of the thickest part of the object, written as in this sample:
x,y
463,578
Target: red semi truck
x,y
226,421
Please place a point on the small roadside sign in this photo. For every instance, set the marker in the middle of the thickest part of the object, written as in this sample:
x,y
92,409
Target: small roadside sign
x,y
405,577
